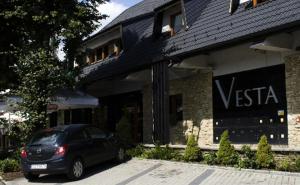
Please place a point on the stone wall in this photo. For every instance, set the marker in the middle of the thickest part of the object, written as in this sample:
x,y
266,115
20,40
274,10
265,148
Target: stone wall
x,y
292,64
196,93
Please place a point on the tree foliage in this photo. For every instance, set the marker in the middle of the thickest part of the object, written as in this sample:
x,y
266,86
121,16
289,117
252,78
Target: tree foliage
x,y
226,154
192,151
34,29
264,155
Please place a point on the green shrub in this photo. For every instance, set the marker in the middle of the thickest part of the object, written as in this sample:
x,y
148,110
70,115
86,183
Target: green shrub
x,y
136,152
264,155
210,158
9,165
297,164
123,129
226,154
285,165
192,151
162,153
248,159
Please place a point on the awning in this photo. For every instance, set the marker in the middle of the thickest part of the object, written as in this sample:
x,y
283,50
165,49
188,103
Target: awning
x,y
63,100
67,99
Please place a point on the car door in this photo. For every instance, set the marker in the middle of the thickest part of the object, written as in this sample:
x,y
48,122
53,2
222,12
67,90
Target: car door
x,y
100,144
81,144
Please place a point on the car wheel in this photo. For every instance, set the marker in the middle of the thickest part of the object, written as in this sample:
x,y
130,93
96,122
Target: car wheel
x,y
31,177
121,155
76,170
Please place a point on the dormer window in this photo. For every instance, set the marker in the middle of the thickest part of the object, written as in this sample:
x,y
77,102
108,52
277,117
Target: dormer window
x,y
110,49
176,23
169,21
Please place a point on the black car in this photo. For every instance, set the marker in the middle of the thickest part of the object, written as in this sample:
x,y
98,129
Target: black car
x,y
68,150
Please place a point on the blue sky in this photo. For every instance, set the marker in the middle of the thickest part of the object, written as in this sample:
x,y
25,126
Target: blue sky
x,y
112,9
127,2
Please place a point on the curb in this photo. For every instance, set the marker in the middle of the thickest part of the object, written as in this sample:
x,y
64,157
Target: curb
x,y
271,172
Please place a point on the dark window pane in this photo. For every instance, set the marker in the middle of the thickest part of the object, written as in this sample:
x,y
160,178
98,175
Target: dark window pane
x,y
80,136
176,111
176,23
96,133
50,137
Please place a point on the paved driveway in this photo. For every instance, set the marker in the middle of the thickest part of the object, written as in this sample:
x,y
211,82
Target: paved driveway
x,y
148,172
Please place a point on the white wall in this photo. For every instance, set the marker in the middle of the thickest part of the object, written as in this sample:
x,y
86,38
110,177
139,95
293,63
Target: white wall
x,y
242,58
103,39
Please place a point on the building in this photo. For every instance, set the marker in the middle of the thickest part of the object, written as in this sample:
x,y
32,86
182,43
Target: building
x,y
200,66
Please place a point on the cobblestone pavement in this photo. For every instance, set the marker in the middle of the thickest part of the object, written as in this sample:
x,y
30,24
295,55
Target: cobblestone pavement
x,y
152,172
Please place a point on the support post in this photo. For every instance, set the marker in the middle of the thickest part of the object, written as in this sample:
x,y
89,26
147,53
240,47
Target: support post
x,y
160,103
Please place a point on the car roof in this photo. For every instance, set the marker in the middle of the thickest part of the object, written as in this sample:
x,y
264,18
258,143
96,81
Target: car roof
x,y
71,127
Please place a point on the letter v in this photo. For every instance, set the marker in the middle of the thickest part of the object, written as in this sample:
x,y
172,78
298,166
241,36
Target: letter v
x,y
226,101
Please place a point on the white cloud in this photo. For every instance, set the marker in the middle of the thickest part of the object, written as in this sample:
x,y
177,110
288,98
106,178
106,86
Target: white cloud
x,y
112,9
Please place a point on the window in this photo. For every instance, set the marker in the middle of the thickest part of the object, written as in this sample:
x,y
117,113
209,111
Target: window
x,y
255,2
110,49
99,54
176,23
79,136
176,110
96,133
91,57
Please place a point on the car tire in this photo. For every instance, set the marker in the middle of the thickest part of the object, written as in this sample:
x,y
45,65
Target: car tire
x,y
121,156
76,170
31,177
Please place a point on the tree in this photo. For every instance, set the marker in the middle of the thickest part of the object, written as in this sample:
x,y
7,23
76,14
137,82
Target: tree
x,y
226,154
192,151
39,27
264,155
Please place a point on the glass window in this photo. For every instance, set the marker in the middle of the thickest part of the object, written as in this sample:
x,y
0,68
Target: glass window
x,y
96,133
176,110
176,23
79,136
48,137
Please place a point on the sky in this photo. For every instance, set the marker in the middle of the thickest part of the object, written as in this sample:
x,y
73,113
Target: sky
x,y
113,8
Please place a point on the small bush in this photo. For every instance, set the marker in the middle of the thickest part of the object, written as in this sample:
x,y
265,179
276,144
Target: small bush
x,y
210,158
162,153
264,155
9,165
136,152
248,159
297,164
226,154
192,151
285,165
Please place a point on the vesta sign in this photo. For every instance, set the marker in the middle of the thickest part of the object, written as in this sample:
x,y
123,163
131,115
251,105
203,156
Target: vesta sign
x,y
250,104
242,97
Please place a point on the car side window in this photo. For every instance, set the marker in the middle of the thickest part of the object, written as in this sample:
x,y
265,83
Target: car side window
x,y
79,136
96,133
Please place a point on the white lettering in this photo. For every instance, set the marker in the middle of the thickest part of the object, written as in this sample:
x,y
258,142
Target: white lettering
x,y
271,94
238,98
248,98
226,101
259,93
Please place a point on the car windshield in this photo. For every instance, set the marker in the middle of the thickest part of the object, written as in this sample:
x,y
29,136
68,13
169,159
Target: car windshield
x,y
49,137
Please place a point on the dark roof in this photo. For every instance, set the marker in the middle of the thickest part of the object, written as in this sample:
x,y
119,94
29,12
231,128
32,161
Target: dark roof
x,y
210,26
142,8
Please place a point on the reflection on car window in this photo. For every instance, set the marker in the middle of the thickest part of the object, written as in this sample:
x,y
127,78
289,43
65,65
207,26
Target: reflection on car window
x,y
96,133
47,137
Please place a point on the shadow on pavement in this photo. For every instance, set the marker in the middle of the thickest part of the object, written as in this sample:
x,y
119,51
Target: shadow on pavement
x,y
88,173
